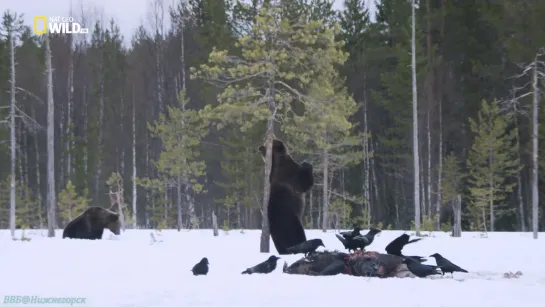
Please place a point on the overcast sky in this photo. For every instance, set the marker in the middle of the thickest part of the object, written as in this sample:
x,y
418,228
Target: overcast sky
x,y
128,14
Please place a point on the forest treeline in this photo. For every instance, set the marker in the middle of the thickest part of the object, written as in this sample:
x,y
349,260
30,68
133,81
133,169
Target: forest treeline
x,y
165,124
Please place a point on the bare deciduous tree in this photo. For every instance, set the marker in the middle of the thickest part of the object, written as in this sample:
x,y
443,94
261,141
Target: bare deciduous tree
x,y
416,156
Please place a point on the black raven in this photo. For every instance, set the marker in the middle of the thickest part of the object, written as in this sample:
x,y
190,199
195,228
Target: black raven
x,y
421,270
359,241
349,244
396,246
264,267
447,266
367,239
306,247
201,268
351,234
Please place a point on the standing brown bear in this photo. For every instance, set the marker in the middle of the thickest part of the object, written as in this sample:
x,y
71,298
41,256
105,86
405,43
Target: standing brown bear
x,y
289,180
91,223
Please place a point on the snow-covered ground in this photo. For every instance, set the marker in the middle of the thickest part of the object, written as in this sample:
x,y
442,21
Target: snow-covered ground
x,y
130,271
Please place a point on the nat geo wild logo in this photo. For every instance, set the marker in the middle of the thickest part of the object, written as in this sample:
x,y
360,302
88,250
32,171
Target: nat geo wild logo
x,y
57,24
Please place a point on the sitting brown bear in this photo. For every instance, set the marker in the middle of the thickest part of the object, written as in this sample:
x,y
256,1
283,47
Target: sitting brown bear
x,y
289,180
91,223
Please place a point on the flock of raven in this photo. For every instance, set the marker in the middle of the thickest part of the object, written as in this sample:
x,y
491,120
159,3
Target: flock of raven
x,y
352,241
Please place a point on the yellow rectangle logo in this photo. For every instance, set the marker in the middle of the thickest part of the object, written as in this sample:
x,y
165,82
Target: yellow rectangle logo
x,y
36,19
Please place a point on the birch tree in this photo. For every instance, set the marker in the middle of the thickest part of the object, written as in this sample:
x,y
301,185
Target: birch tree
x,y
538,68
51,200
277,60
12,25
416,156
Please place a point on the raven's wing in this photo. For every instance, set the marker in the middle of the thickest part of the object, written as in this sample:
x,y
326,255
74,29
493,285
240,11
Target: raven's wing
x,y
413,240
343,240
296,248
447,263
395,247
346,234
418,258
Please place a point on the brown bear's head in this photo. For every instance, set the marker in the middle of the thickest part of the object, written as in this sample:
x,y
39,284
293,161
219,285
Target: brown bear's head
x,y
283,165
279,150
113,223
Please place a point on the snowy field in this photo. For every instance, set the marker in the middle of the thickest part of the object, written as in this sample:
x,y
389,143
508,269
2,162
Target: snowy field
x,y
129,270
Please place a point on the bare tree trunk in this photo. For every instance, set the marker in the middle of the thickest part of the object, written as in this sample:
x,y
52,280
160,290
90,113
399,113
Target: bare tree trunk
x,y
165,208
325,205
148,173
440,101
69,138
191,207
239,213
20,154
269,137
60,156
179,222
440,171
13,144
491,203
134,173
319,209
84,137
120,150
98,170
182,45
535,165
265,229
375,183
38,189
215,224
183,86
522,216
366,181
430,99
428,179
423,207
415,132
311,208
121,206
51,195
457,227
397,199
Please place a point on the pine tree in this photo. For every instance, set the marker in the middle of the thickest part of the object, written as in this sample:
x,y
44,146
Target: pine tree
x,y
278,61
492,164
